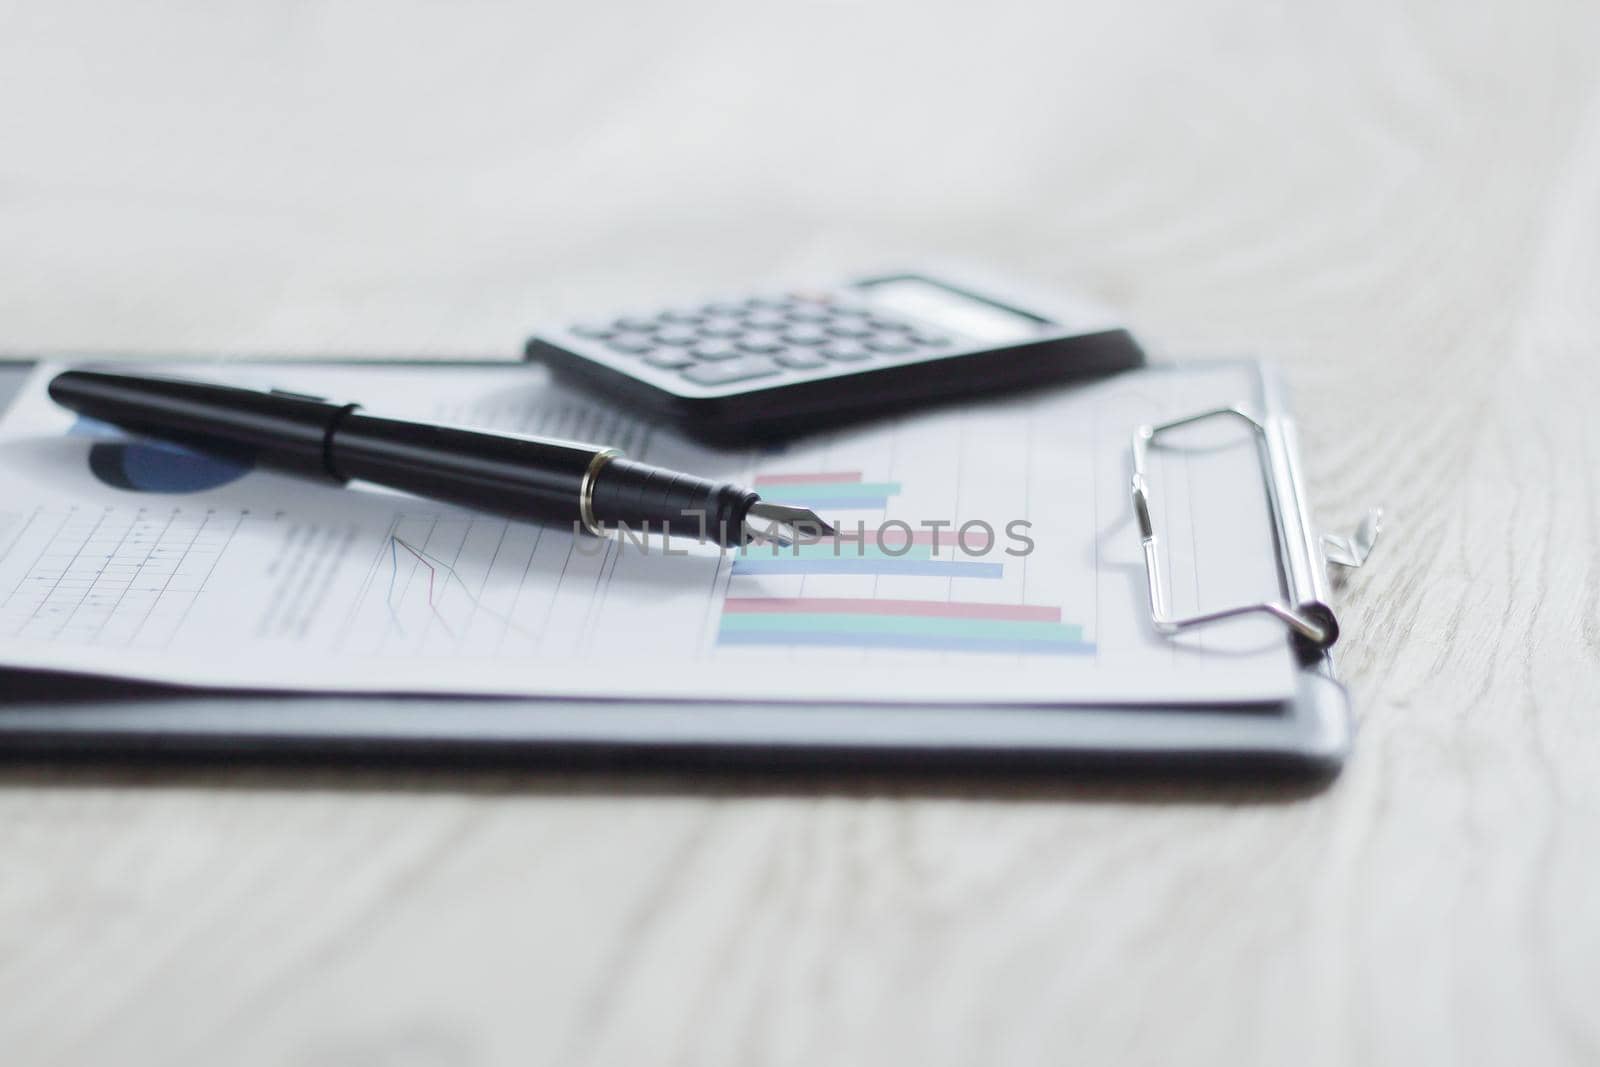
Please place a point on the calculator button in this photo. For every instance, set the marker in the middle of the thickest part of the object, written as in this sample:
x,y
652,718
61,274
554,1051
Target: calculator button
x,y
594,333
677,335
894,346
670,359
932,340
722,310
846,351
889,324
801,358
805,335
761,342
850,329
635,324
762,319
721,328
631,344
736,370
682,318
714,350
810,313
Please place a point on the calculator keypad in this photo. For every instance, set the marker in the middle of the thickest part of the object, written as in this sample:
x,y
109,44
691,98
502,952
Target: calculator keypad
x,y
723,343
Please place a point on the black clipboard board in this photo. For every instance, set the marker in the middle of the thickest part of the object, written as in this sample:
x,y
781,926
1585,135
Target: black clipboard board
x,y
1306,736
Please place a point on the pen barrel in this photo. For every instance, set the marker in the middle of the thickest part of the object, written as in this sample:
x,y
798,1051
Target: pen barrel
x,y
640,496
277,429
527,478
517,476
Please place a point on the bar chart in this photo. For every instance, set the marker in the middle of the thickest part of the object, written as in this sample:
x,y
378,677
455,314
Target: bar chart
x,y
873,548
830,490
869,549
848,622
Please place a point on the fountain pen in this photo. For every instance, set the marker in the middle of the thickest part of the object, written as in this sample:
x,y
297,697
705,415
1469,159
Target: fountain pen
x,y
514,475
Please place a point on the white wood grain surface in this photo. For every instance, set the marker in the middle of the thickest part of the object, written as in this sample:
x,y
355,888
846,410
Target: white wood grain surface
x,y
1398,202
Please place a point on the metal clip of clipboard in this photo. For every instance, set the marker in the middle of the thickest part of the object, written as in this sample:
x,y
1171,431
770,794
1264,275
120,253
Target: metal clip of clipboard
x,y
1302,557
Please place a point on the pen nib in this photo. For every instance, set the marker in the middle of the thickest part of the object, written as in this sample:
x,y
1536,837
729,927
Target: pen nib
x,y
783,525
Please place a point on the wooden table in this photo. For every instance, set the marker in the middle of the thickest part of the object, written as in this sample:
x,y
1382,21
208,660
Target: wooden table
x,y
1400,204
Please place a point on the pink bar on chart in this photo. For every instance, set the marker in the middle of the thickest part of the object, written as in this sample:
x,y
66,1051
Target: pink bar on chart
x,y
945,609
808,479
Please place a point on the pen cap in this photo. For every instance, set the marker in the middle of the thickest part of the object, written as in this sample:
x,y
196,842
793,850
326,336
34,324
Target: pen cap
x,y
282,430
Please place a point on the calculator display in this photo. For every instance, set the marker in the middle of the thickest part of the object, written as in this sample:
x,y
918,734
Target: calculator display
x,y
951,309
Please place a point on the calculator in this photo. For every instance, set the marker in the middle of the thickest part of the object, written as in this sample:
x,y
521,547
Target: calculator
x,y
781,363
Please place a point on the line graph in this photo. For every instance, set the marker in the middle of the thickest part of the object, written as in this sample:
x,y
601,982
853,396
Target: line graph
x,y
436,568
432,573
448,584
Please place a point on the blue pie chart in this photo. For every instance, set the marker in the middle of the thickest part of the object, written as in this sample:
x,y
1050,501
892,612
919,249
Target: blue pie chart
x,y
156,466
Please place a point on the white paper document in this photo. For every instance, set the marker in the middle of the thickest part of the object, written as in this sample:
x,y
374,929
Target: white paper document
x,y
987,554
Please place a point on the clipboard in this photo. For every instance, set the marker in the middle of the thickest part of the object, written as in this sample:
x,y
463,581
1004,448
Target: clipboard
x,y
1307,735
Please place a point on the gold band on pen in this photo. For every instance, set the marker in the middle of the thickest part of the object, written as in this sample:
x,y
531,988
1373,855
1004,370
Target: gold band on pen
x,y
586,491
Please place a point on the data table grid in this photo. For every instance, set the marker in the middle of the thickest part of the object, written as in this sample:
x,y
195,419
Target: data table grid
x,y
114,576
